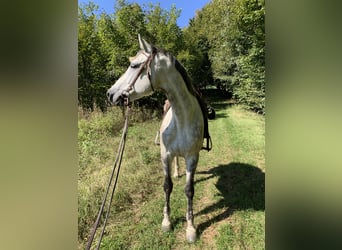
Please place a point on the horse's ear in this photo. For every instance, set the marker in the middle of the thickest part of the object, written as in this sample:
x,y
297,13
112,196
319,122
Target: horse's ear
x,y
144,45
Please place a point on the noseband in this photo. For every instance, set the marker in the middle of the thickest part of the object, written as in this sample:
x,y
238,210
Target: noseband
x,y
146,65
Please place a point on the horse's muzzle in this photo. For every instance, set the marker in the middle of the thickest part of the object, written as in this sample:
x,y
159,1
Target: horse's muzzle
x,y
119,100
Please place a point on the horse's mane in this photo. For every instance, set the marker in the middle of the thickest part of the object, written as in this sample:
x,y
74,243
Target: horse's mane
x,y
200,100
191,88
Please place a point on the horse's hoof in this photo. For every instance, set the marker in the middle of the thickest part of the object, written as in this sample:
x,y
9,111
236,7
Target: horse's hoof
x,y
166,226
191,235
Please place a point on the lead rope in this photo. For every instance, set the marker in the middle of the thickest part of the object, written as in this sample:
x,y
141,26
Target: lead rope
x,y
118,160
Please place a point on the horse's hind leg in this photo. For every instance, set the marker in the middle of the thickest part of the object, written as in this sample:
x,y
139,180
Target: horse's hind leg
x,y
191,165
168,185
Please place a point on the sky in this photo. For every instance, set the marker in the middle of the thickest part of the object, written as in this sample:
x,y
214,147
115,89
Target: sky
x,y
188,7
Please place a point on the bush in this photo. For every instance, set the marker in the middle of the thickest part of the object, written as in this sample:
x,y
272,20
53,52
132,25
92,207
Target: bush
x,y
92,131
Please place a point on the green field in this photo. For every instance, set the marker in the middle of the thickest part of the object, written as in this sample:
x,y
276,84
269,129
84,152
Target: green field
x,y
229,202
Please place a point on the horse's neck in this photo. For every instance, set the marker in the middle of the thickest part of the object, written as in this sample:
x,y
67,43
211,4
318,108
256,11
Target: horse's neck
x,y
183,103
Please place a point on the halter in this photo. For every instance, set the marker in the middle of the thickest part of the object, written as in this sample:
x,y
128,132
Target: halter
x,y
146,65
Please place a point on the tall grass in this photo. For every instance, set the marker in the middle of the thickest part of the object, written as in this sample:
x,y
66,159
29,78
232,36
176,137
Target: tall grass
x,y
98,139
229,184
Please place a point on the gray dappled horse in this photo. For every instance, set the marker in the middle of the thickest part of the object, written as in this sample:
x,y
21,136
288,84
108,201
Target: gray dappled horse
x,y
184,125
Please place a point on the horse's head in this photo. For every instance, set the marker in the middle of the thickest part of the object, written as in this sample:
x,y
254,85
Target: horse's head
x,y
136,82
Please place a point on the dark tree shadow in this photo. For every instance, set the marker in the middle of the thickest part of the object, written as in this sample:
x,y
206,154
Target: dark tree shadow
x,y
214,94
242,187
218,101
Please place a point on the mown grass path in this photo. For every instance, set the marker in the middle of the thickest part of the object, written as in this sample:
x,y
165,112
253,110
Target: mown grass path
x,y
229,200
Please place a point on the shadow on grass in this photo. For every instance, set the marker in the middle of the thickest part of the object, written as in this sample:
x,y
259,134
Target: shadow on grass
x,y
220,108
241,186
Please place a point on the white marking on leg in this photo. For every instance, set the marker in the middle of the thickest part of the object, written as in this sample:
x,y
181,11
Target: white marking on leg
x,y
176,172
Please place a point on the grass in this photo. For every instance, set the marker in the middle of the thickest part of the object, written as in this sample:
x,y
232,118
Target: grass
x,y
229,198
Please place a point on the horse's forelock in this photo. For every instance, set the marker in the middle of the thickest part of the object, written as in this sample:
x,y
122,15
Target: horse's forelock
x,y
134,57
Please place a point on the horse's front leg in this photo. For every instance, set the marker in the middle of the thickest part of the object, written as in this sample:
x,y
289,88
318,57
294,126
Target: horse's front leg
x,y
168,185
191,165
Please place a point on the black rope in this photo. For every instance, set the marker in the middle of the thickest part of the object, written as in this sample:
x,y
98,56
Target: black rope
x,y
118,160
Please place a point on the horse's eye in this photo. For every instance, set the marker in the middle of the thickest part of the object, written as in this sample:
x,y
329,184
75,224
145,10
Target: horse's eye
x,y
135,65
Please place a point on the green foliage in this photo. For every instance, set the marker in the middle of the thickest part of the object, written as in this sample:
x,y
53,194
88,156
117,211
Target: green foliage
x,y
223,45
92,60
248,83
106,42
90,133
163,29
195,58
234,35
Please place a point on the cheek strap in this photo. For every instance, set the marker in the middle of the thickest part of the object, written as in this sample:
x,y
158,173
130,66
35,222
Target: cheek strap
x,y
146,65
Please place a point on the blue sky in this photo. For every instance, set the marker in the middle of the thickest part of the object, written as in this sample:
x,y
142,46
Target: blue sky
x,y
188,7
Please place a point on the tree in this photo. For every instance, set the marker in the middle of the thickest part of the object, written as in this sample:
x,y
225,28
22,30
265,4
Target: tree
x,y
163,29
224,45
106,42
248,52
92,60
232,35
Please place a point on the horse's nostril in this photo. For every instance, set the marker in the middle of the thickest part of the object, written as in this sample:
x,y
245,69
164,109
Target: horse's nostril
x,y
110,96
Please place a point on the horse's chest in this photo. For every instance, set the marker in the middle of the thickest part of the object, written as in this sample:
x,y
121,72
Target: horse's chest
x,y
181,139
